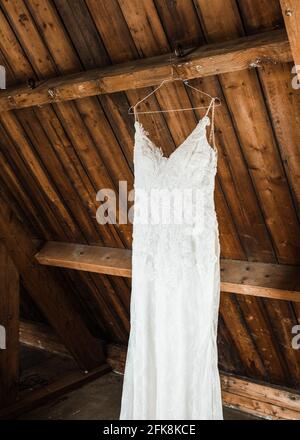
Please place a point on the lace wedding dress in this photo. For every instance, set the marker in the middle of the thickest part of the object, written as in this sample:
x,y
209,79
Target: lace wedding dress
x,y
171,367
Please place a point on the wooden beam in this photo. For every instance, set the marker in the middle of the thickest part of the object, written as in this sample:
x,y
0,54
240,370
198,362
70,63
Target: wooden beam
x,y
9,331
36,335
265,280
67,383
260,399
246,278
41,336
55,302
105,260
291,15
229,56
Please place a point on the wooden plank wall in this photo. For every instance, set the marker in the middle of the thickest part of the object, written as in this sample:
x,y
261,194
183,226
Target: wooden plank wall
x,y
9,321
54,300
55,158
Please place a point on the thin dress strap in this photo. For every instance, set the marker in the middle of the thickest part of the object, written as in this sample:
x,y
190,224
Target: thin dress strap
x,y
211,138
136,117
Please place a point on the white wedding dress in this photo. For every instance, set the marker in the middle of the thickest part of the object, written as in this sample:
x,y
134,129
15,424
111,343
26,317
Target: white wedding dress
x,y
171,368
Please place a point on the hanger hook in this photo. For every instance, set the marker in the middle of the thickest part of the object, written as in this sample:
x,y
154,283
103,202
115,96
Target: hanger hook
x,y
178,52
217,100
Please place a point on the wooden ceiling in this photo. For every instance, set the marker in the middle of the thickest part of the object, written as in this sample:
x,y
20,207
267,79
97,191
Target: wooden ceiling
x,y
55,157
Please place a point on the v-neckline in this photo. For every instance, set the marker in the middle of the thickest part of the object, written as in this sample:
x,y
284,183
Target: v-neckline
x,y
159,149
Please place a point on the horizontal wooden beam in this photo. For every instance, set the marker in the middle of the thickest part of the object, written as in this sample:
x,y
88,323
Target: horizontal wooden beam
x,y
105,260
229,56
277,281
246,278
259,399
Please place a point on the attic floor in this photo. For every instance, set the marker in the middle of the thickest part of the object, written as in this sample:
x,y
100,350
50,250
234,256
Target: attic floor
x,y
98,400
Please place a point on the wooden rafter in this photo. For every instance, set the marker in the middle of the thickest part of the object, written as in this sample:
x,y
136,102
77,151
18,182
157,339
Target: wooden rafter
x,y
36,335
291,14
54,301
243,53
243,277
9,321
